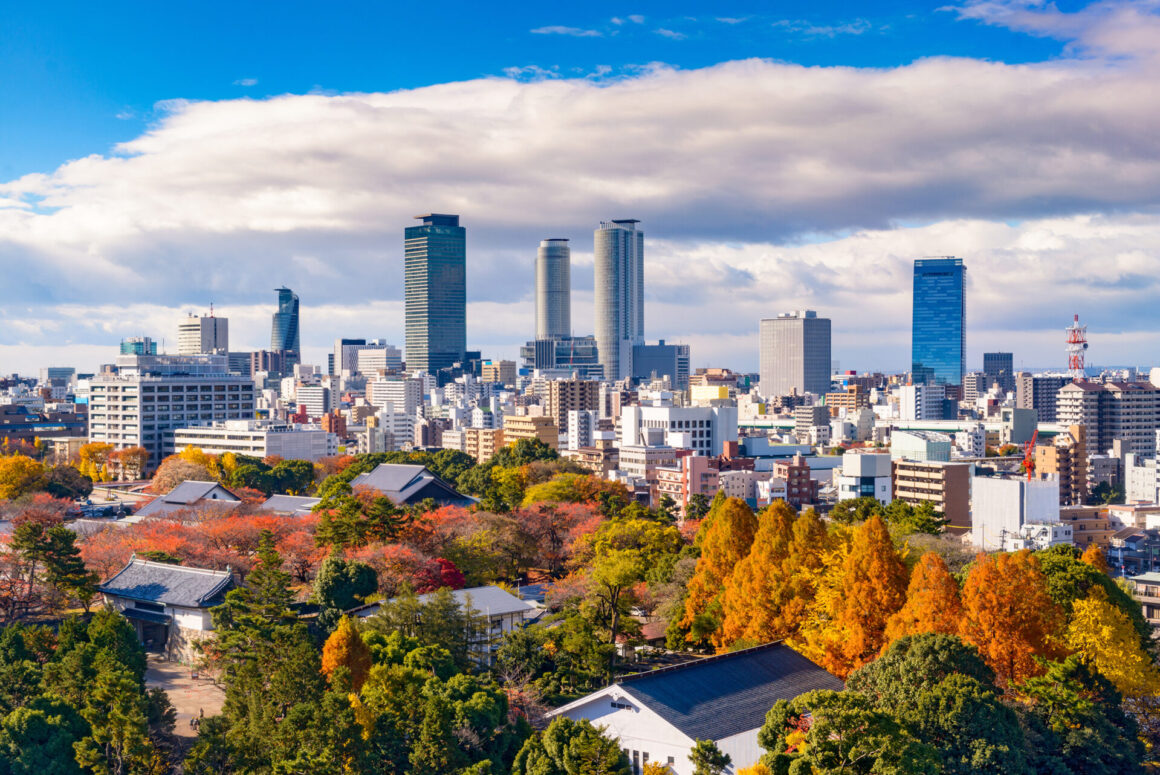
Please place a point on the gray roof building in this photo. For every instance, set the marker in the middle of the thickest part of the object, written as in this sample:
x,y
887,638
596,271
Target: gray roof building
x,y
191,495
168,585
290,505
408,484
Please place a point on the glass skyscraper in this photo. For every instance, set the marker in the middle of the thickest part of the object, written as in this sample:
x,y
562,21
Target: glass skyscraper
x,y
435,282
939,328
619,295
284,332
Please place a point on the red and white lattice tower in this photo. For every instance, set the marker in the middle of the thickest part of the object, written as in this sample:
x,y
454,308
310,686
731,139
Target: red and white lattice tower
x,y
1076,345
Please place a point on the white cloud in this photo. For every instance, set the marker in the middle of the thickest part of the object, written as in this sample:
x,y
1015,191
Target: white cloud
x,y
575,32
246,82
762,186
673,34
855,27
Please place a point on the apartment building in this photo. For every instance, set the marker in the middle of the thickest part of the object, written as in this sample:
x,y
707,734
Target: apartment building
x,y
1065,458
1111,411
543,429
946,485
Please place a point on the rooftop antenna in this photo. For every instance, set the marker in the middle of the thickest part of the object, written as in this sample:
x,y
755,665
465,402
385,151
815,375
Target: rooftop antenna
x,y
1077,343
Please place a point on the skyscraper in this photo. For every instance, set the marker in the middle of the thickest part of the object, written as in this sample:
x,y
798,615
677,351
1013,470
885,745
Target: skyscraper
x,y
999,367
435,280
284,332
203,334
939,328
553,289
794,354
619,295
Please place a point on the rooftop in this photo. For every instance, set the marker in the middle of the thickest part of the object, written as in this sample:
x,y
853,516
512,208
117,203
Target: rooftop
x,y
176,585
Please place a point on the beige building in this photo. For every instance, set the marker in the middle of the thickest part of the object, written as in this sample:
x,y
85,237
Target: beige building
x,y
1089,525
946,485
503,372
480,443
565,395
516,427
1065,457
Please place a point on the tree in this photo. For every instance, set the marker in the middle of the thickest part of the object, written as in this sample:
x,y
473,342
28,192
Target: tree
x,y
569,747
1104,638
38,739
65,481
707,759
697,507
19,475
932,601
771,590
847,626
1008,615
1094,556
1069,579
725,537
129,462
94,458
174,471
64,568
839,733
340,585
118,742
345,648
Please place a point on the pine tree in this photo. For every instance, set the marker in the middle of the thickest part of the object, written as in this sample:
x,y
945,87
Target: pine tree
x,y
1009,616
932,604
269,583
847,626
769,594
64,568
345,648
726,538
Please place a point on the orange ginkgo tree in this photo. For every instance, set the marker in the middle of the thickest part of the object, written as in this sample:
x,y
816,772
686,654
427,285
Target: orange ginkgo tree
x,y
933,602
725,538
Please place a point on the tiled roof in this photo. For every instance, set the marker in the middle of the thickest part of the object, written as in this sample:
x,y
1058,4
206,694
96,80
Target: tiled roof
x,y
489,601
716,697
189,494
289,504
404,483
158,582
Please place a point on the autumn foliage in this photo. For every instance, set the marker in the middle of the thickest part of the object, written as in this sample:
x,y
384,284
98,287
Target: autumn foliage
x,y
932,604
1008,615
727,535
345,648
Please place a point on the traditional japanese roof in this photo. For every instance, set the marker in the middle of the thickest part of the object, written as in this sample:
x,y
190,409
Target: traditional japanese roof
x,y
188,495
175,585
405,484
489,601
290,504
717,697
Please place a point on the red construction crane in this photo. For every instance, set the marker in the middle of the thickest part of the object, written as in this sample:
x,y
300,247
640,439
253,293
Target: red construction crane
x,y
1029,455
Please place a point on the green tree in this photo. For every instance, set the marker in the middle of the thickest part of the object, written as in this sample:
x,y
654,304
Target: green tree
x,y
64,569
340,586
118,742
697,507
569,747
707,759
38,739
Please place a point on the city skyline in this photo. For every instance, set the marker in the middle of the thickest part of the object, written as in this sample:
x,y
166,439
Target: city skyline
x,y
737,231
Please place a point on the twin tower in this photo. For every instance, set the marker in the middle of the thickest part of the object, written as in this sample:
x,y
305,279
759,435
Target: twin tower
x,y
618,293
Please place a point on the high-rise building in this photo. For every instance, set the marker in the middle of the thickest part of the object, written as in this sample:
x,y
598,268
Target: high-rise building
x,y
435,279
564,396
619,295
553,289
939,330
138,345
1040,393
1128,412
661,360
574,353
207,334
999,367
284,332
794,354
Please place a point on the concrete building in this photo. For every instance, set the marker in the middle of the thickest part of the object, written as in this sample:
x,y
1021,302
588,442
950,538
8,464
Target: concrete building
x,y
1040,393
1125,411
199,334
975,386
1065,458
999,369
481,443
151,395
581,428
692,475
1090,525
257,438
553,289
921,402
939,321
501,372
701,429
865,475
801,488
517,427
972,442
794,354
655,361
946,485
643,462
435,291
920,445
1002,506
563,396
619,295
806,419
318,399
402,395
573,355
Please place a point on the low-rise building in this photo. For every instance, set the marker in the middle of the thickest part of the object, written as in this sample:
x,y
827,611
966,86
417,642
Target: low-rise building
x,y
1002,506
643,462
865,475
946,485
801,489
257,438
542,429
1090,525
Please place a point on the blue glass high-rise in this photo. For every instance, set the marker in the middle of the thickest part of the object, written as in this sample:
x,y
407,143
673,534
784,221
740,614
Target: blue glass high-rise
x,y
284,332
939,327
435,292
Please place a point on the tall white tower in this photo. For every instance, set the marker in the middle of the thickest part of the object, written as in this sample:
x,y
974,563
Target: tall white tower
x,y
619,295
553,289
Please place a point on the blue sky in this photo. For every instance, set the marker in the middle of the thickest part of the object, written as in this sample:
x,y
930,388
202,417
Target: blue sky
x,y
83,76
156,158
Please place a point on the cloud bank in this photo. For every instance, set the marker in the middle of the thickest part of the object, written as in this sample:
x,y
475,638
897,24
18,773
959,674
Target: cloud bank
x,y
762,186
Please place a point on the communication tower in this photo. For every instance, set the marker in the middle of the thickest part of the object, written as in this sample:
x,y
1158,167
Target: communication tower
x,y
1077,343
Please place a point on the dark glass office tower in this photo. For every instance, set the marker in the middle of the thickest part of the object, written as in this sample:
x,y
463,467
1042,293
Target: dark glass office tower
x,y
284,333
435,280
939,329
999,367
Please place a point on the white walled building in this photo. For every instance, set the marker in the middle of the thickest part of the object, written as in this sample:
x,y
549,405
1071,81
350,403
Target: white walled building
x,y
925,446
1000,507
921,402
317,399
708,427
257,438
203,334
581,427
404,396
972,442
865,475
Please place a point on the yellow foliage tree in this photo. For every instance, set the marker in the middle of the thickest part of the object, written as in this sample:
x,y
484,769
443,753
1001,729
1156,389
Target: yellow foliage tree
x,y
771,590
861,589
1009,616
345,648
725,542
19,475
757,769
655,768
1094,556
1103,636
199,457
94,459
932,604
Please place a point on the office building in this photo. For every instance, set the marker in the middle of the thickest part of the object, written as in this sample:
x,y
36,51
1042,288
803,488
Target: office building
x,y
1128,412
865,475
138,345
258,438
403,396
999,369
654,361
794,354
939,322
150,396
435,288
701,429
947,486
553,289
317,400
573,354
272,362
542,429
376,356
975,386
922,402
500,372
203,334
619,295
284,336
1040,393
920,445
